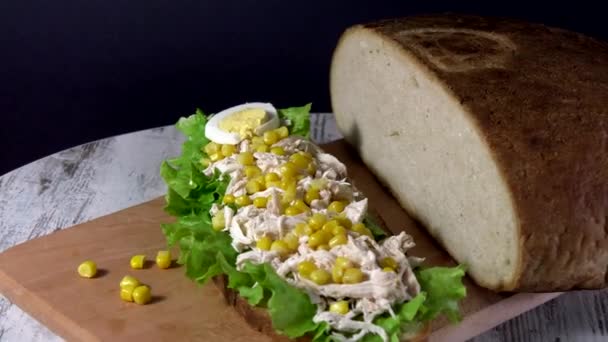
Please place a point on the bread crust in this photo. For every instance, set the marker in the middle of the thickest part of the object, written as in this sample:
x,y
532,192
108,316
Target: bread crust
x,y
538,96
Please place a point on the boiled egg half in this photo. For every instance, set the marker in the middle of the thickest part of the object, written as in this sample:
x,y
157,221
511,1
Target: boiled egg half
x,y
234,124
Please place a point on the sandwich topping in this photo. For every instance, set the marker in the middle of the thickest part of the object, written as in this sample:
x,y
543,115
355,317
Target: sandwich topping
x,y
290,205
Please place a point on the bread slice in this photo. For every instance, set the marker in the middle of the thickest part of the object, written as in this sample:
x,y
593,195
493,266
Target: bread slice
x,y
493,134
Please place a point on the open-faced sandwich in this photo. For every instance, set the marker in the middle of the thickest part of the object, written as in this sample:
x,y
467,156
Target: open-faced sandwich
x,y
271,217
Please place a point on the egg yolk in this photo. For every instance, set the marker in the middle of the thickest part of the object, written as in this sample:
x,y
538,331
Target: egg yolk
x,y
244,122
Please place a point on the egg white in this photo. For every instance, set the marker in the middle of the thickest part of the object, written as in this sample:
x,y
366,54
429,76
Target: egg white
x,y
214,133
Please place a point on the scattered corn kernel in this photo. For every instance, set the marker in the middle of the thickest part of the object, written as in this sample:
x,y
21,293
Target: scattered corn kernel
x,y
303,229
330,225
278,150
338,240
271,137
317,220
337,273
280,247
311,168
252,171
228,199
300,205
311,195
361,229
126,293
288,170
262,148
211,148
343,262
163,259
260,202
141,295
337,230
352,275
257,140
271,177
282,131
273,184
389,262
228,150
216,156
339,307
336,207
88,269
245,158
324,247
318,183
299,160
129,281
344,221
305,268
320,276
242,201
292,241
388,269
252,187
264,243
137,261
292,211
318,238
218,222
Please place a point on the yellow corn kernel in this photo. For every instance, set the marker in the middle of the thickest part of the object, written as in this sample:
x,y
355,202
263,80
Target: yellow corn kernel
x,y
318,238
88,269
137,261
344,221
305,268
320,276
271,177
311,168
218,222
242,201
211,148
292,211
338,240
343,262
336,207
264,243
205,162
245,158
339,307
288,170
260,202
301,205
163,259
280,247
311,195
262,148
228,150
388,269
141,295
288,183
318,183
324,247
303,229
282,131
278,150
292,241
337,230
216,156
252,171
337,273
271,137
330,225
299,160
352,275
228,199
361,229
252,187
388,262
126,293
305,154
317,220
129,281
273,184
257,140
290,193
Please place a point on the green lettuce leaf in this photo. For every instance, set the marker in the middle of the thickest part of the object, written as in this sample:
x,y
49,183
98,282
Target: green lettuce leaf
x,y
297,120
193,128
377,231
444,288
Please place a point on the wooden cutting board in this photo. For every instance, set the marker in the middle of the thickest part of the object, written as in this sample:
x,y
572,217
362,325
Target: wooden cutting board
x,y
40,276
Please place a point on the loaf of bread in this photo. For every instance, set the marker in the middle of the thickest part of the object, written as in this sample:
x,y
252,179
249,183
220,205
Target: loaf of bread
x,y
493,134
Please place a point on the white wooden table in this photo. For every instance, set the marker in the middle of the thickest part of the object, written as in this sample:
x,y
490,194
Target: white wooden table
x,y
105,176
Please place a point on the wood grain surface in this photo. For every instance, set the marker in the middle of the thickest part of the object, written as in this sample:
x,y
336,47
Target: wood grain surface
x,y
102,177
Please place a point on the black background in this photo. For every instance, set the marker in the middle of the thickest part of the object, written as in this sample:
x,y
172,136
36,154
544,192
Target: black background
x,y
75,71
